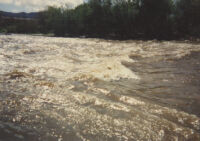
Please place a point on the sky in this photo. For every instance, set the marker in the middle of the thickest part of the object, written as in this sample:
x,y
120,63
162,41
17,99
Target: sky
x,y
34,5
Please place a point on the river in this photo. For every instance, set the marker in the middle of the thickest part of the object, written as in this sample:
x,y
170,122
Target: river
x,y
73,89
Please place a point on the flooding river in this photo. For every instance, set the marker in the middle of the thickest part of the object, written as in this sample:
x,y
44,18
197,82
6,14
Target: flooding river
x,y
71,89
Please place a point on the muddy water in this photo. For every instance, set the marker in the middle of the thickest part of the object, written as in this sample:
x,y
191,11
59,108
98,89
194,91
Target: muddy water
x,y
70,89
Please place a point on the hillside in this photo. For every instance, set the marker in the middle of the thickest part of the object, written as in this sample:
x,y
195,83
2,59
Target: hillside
x,y
24,15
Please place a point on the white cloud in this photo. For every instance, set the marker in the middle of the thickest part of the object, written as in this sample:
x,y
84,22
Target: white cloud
x,y
6,1
36,5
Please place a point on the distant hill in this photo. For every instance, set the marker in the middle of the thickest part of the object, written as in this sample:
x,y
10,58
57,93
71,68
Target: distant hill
x,y
23,15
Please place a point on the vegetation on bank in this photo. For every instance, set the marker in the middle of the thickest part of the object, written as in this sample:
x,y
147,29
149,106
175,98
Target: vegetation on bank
x,y
122,19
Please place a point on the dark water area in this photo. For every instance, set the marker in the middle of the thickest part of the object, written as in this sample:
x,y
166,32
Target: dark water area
x,y
171,82
59,89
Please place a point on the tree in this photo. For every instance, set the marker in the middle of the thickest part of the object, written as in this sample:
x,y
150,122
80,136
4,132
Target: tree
x,y
81,17
153,18
188,17
125,13
160,19
55,20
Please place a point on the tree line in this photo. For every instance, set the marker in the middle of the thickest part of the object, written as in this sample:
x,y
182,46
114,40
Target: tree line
x,y
124,19
10,23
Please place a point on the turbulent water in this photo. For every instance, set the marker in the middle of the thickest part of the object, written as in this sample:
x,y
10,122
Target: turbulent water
x,y
71,89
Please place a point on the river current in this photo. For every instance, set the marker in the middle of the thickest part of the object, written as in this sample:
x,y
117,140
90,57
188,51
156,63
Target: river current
x,y
73,89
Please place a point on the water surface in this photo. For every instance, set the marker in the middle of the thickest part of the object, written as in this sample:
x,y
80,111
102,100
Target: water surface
x,y
60,89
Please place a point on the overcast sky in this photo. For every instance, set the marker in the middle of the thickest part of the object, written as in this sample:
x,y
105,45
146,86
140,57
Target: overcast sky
x,y
33,5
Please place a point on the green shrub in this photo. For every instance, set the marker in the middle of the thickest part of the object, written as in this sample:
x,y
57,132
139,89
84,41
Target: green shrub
x,y
3,30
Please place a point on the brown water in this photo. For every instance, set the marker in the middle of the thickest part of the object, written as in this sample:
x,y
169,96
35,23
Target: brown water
x,y
70,89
